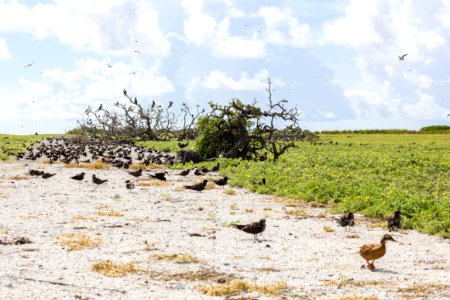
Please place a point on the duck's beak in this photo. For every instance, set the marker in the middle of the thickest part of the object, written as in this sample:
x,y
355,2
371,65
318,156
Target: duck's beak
x,y
392,239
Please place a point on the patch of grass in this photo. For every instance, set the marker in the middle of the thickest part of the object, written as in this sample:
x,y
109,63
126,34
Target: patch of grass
x,y
353,236
108,268
19,177
249,210
210,185
112,213
230,192
28,217
176,258
344,282
238,286
358,297
95,165
152,182
81,218
327,228
425,290
200,275
296,212
78,241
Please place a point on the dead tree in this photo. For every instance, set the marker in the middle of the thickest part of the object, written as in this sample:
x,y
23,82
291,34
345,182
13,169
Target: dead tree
x,y
250,130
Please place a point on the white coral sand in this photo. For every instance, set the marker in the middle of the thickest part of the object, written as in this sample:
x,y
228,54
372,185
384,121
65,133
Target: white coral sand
x,y
314,263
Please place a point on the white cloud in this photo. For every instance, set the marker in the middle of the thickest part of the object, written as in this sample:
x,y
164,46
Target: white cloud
x,y
283,28
220,80
421,81
4,52
98,27
63,95
425,108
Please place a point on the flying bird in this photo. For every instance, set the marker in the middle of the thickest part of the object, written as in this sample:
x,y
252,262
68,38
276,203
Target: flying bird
x,y
100,107
109,65
30,64
137,51
197,187
253,228
402,57
133,73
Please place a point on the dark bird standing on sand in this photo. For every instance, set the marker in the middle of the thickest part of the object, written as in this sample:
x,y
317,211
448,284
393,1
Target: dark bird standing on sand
x,y
222,181
215,168
97,180
48,175
253,228
36,172
136,173
371,252
197,187
129,185
347,219
393,222
197,172
78,176
184,172
160,176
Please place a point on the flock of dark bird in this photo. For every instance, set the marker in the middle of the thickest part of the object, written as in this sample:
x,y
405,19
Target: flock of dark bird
x,y
122,155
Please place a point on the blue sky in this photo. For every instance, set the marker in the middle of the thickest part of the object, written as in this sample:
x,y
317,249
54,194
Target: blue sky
x,y
337,61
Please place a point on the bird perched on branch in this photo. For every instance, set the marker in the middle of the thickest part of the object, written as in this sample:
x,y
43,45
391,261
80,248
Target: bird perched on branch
x,y
371,252
347,219
97,180
253,228
78,176
197,187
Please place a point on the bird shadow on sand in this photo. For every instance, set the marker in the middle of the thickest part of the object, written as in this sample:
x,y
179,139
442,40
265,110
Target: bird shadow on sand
x,y
384,271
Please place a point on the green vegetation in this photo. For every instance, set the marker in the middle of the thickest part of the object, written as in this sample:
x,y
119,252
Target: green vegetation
x,y
372,174
435,129
11,145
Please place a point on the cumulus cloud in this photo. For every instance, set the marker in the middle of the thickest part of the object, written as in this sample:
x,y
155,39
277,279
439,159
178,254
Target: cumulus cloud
x,y
64,95
104,28
217,79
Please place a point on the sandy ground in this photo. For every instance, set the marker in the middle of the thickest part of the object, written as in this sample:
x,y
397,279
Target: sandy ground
x,y
294,249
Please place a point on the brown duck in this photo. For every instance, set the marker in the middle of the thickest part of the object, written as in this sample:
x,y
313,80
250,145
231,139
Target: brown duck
x,y
371,252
